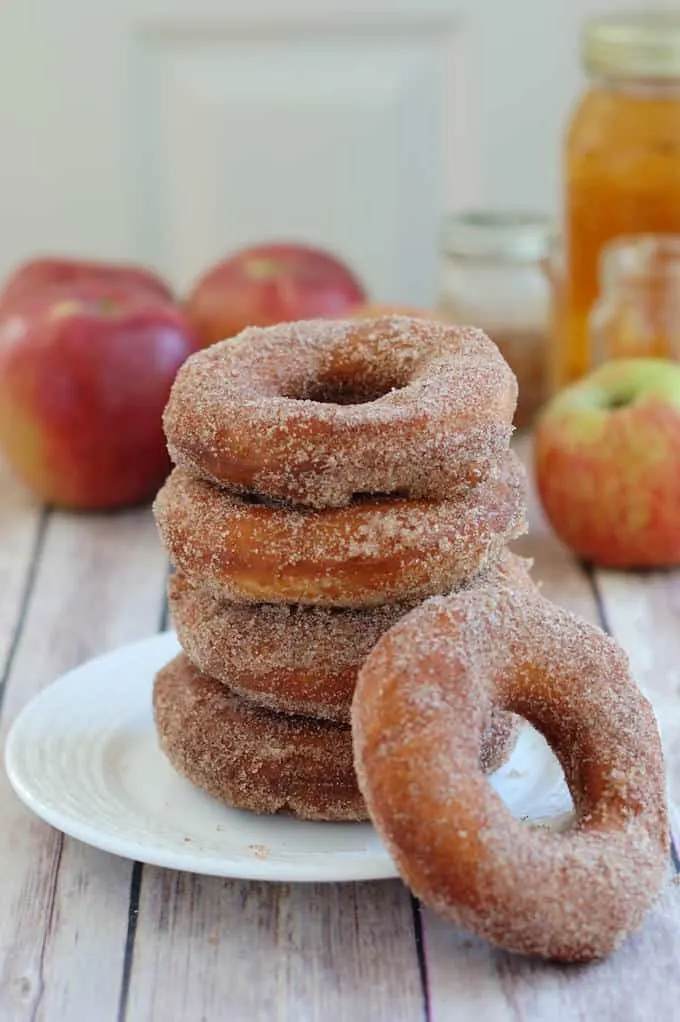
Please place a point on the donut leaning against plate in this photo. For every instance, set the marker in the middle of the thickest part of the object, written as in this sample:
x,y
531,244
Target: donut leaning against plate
x,y
419,709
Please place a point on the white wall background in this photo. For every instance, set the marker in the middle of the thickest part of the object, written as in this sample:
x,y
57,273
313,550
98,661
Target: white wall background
x,y
173,131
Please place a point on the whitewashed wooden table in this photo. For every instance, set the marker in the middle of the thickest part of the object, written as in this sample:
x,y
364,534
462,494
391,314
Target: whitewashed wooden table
x,y
87,937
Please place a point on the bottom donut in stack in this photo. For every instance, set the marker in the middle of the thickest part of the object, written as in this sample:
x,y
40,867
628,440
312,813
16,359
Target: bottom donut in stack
x,y
256,710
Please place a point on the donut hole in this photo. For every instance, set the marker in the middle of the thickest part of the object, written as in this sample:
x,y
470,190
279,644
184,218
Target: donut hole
x,y
347,382
343,392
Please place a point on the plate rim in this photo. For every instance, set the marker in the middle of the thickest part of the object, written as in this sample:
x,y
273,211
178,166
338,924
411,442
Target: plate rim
x,y
354,869
208,865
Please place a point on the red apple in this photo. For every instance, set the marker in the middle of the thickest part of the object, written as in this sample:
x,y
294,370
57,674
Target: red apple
x,y
269,284
607,462
37,274
85,373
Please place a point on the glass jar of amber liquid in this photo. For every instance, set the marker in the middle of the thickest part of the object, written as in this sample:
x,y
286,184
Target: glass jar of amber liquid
x,y
638,311
621,164
493,276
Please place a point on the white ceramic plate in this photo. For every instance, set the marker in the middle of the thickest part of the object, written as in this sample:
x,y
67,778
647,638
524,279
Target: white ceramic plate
x,y
83,756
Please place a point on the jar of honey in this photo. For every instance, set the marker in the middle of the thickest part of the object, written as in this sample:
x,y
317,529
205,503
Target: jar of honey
x,y
493,276
638,311
621,163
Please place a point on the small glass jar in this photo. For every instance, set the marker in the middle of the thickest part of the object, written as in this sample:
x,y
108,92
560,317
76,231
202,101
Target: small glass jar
x,y
621,159
638,311
493,277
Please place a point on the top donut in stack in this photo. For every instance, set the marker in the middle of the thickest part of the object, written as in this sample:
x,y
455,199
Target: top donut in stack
x,y
341,464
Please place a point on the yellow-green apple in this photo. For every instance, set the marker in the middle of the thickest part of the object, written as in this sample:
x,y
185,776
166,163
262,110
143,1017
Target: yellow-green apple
x,y
37,274
85,372
271,283
607,463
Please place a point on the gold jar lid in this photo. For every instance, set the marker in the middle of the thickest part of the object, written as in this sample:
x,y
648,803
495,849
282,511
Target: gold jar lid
x,y
633,45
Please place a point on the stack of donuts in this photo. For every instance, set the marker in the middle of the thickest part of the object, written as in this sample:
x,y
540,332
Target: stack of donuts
x,y
338,521
329,477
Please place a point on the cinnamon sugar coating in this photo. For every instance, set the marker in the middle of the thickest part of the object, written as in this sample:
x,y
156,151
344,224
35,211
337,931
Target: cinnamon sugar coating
x,y
375,551
421,701
249,757
291,658
318,411
267,762
499,739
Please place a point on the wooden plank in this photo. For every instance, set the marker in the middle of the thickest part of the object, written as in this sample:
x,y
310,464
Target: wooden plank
x,y
643,613
293,953
64,906
20,520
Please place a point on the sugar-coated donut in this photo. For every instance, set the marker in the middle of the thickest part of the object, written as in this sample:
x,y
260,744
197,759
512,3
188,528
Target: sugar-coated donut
x,y
267,762
318,411
380,550
420,705
291,658
252,758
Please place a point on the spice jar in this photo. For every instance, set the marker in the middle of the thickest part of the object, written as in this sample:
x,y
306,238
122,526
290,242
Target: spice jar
x,y
493,277
638,311
621,160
